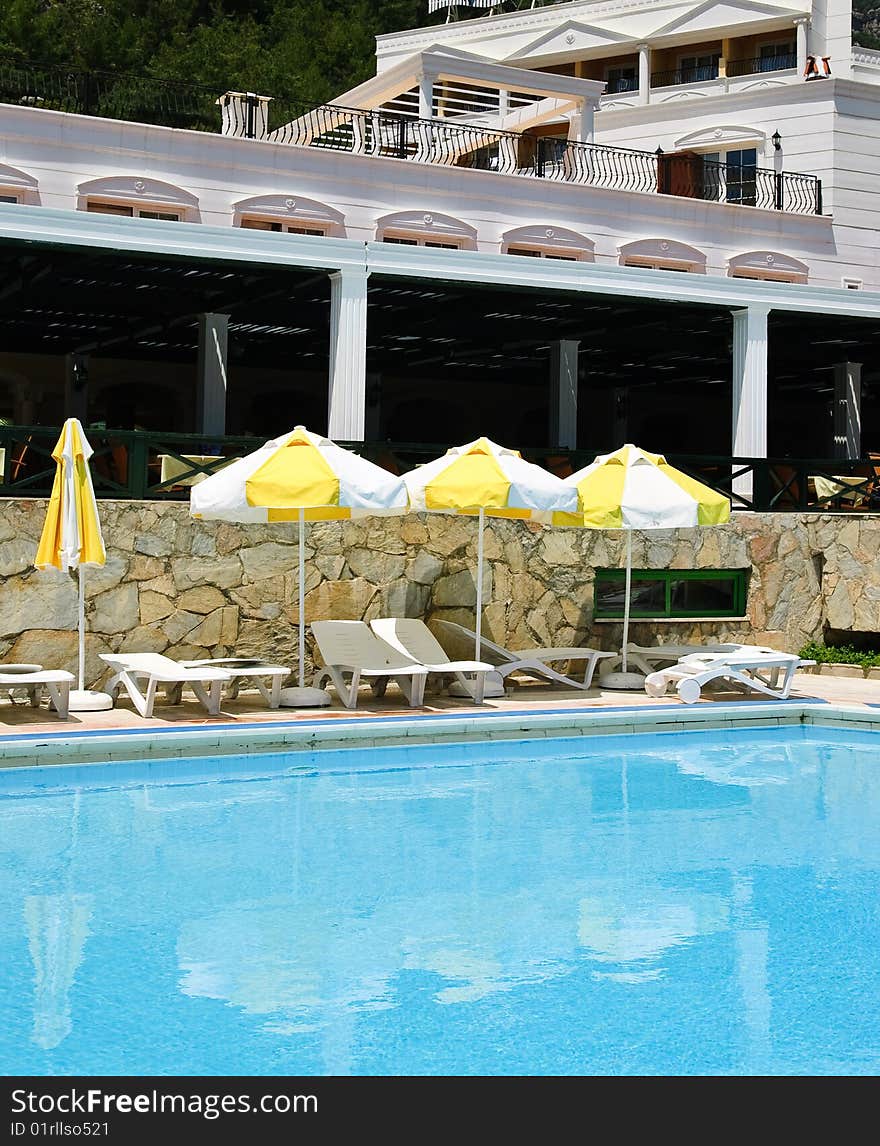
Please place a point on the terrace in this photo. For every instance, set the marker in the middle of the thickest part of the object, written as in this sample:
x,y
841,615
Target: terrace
x,y
450,120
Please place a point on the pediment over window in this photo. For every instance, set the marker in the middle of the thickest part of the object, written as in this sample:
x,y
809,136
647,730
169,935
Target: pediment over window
x,y
570,39
721,138
19,183
140,189
424,223
13,177
769,262
549,239
663,250
292,209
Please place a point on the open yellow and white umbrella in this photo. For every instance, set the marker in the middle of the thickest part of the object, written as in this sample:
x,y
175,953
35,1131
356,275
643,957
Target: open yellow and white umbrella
x,y
301,477
71,537
632,489
483,478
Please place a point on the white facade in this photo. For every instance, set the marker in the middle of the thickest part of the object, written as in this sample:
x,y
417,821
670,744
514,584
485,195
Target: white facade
x,y
686,88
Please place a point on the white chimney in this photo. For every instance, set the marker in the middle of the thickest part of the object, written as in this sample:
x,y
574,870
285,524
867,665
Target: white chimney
x,y
245,115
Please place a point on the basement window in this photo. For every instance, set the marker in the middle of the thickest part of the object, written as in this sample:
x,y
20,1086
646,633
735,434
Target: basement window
x,y
272,225
667,594
403,241
124,210
536,253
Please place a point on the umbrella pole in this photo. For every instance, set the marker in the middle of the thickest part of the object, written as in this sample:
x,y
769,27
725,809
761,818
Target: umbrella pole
x,y
479,627
81,676
629,565
302,598
624,679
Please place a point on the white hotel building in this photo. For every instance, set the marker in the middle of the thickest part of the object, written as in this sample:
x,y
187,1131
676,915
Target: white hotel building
x,y
565,225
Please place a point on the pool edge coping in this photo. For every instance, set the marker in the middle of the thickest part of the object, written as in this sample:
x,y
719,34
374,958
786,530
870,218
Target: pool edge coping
x,y
47,749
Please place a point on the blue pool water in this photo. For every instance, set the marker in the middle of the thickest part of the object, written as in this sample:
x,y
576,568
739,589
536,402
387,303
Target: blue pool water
x,y
679,903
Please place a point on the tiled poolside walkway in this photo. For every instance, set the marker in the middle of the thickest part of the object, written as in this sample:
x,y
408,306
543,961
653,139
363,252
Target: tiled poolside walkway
x,y
249,709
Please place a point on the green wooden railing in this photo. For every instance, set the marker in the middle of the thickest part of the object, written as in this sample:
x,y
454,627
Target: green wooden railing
x,y
147,465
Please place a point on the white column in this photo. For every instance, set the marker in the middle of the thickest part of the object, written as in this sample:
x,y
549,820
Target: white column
x,y
583,122
348,355
426,97
564,393
211,375
76,387
749,438
802,24
644,73
848,410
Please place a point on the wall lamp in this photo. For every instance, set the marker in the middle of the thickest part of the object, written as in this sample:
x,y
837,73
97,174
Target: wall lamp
x,y
777,141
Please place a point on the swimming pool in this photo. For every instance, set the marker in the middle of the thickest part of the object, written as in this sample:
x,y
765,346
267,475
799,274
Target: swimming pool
x,y
684,902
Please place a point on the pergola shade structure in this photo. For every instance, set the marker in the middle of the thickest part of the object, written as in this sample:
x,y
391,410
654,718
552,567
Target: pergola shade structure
x,y
119,333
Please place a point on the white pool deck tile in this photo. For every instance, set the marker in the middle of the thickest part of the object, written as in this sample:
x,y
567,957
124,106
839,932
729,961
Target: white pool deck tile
x,y
31,737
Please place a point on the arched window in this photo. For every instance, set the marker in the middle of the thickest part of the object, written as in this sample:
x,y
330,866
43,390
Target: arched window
x,y
17,186
538,242
768,265
663,255
424,229
291,214
135,196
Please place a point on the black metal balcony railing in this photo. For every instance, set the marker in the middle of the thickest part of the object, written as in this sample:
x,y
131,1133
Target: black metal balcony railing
x,y
621,84
684,76
760,64
392,135
129,464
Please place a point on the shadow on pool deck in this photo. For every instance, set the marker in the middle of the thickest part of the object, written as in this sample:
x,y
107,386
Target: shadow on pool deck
x,y
249,708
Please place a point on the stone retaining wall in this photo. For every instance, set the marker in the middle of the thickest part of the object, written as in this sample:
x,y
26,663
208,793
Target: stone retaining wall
x,y
193,589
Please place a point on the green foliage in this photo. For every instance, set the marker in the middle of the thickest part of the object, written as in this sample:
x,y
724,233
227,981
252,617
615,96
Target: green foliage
x,y
866,23
309,49
840,655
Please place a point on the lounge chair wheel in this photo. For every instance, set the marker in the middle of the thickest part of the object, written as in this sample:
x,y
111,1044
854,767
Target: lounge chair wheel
x,y
655,684
689,691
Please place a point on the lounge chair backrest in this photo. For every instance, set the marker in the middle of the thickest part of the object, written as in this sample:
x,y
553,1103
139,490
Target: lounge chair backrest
x,y
411,637
489,651
354,643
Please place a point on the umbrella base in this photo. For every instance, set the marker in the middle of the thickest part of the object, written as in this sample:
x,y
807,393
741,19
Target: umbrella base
x,y
305,698
632,681
87,700
494,687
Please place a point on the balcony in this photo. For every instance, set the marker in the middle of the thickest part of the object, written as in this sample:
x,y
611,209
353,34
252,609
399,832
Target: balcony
x,y
379,133
684,76
756,66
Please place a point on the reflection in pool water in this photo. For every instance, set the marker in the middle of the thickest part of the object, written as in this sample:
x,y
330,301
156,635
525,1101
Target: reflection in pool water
x,y
685,903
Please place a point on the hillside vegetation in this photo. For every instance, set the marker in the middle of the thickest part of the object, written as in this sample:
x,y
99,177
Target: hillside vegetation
x,y
311,49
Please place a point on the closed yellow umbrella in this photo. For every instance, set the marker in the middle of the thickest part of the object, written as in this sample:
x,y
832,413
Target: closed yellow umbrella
x,y
71,537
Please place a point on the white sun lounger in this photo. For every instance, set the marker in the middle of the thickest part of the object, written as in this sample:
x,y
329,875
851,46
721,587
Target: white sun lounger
x,y
753,670
132,670
32,679
350,649
414,639
251,669
649,658
533,662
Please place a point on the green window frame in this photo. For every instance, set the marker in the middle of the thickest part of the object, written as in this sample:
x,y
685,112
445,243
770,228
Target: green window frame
x,y
666,592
